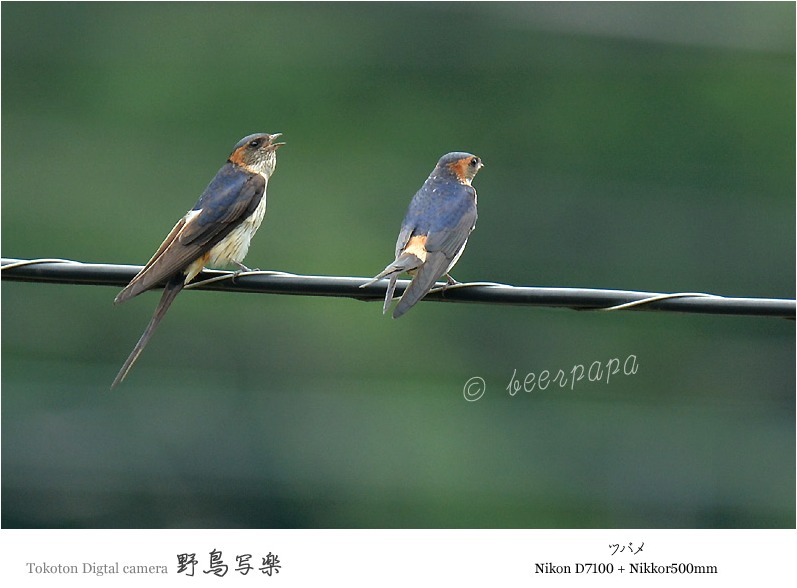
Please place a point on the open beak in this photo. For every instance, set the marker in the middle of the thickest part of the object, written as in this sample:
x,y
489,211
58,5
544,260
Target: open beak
x,y
273,138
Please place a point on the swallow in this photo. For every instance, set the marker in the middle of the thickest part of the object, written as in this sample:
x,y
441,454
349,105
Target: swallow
x,y
215,232
435,229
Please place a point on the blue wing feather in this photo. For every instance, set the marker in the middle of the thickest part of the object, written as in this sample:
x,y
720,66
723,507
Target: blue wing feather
x,y
231,197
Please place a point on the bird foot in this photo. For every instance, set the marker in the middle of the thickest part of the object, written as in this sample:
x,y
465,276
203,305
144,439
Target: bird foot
x,y
450,281
243,270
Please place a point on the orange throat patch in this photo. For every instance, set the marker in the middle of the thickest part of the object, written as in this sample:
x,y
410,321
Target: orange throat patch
x,y
460,169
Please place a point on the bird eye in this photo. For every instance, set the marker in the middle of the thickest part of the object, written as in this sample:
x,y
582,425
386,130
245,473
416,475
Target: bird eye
x,y
474,162
255,143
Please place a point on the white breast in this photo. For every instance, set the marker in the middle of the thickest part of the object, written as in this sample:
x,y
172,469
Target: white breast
x,y
234,247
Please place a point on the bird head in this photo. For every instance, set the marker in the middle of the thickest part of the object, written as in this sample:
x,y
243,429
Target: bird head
x,y
257,153
459,165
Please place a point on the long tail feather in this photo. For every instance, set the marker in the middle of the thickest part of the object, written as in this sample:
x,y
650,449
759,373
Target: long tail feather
x,y
391,287
423,281
170,291
405,262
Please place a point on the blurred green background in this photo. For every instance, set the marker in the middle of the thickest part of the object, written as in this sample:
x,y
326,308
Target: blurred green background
x,y
629,146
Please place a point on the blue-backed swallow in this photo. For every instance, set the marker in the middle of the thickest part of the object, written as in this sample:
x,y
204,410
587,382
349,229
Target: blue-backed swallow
x,y
215,232
435,229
